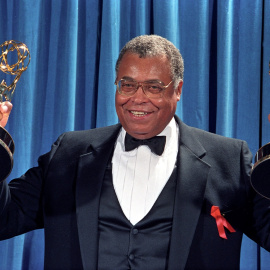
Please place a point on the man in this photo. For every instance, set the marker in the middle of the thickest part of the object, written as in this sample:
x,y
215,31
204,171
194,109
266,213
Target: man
x,y
107,205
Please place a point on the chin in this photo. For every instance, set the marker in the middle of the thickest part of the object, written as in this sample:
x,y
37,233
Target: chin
x,y
141,135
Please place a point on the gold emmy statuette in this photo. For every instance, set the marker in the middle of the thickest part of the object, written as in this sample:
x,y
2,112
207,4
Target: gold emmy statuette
x,y
260,172
18,54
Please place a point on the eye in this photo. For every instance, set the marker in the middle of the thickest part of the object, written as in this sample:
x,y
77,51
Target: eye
x,y
128,84
154,88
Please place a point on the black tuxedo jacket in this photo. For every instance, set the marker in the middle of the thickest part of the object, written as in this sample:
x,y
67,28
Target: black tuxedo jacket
x,y
62,195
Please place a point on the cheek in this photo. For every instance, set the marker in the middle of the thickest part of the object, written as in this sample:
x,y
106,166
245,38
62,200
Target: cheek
x,y
167,108
163,104
120,100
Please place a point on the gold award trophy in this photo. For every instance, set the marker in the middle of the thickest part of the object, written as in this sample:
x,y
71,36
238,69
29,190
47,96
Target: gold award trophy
x,y
10,50
260,172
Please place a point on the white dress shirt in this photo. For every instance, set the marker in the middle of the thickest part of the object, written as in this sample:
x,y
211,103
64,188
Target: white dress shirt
x,y
140,175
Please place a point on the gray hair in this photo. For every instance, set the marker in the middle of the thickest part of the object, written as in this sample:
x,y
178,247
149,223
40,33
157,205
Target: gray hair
x,y
151,46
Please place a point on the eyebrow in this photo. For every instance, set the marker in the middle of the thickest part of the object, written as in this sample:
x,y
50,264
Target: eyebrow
x,y
127,78
148,81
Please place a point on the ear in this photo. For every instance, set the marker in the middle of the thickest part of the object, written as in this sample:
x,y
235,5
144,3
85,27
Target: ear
x,y
179,90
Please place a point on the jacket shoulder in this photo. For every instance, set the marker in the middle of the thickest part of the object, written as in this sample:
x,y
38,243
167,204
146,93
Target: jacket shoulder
x,y
95,135
216,146
73,144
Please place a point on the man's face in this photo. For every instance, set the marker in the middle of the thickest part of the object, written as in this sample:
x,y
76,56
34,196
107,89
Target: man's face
x,y
143,117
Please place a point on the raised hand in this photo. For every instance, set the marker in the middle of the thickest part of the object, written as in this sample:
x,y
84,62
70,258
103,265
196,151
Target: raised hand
x,y
5,109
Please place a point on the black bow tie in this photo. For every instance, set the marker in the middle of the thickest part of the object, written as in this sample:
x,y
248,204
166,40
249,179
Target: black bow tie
x,y
156,144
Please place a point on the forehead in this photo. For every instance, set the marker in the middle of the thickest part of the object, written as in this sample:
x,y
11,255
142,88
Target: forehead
x,y
134,66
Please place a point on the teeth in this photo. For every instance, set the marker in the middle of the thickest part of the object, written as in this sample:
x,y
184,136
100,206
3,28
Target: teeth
x,y
138,113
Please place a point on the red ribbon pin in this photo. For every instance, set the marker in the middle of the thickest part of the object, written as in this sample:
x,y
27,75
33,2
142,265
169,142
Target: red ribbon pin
x,y
221,222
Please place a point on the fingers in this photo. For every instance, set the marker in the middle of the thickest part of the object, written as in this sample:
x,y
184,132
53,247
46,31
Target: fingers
x,y
5,107
5,110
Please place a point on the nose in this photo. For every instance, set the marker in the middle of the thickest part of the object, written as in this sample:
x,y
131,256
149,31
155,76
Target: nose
x,y
139,95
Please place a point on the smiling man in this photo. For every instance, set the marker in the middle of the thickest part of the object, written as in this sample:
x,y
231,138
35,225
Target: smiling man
x,y
147,193
147,110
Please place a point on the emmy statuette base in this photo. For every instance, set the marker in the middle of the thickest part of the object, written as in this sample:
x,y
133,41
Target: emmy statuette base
x,y
6,154
260,173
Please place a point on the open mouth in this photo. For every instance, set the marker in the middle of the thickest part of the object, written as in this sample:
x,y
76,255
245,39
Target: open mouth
x,y
139,114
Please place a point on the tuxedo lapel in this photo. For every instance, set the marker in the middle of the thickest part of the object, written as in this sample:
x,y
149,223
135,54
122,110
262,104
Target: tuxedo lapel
x,y
91,169
192,178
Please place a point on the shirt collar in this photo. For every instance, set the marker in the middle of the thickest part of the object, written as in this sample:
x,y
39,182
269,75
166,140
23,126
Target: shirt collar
x,y
171,131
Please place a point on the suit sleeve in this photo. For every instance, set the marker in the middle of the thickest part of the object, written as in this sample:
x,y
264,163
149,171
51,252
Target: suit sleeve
x,y
257,226
21,199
